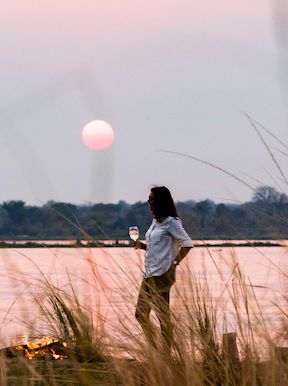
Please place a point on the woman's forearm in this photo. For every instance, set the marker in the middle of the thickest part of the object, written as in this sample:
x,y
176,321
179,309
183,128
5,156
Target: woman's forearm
x,y
182,253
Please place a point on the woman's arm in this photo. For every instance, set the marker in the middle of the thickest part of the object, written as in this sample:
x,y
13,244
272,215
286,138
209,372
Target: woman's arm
x,y
182,253
176,230
140,245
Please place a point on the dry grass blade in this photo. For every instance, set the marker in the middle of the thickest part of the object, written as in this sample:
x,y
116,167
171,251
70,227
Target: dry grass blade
x,y
214,166
73,324
267,131
267,148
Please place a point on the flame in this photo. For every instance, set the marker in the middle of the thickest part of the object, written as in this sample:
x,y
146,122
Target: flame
x,y
30,350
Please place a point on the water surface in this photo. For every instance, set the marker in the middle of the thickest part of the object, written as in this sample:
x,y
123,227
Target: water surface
x,y
107,281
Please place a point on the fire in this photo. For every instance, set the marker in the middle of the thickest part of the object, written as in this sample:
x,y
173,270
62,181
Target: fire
x,y
43,348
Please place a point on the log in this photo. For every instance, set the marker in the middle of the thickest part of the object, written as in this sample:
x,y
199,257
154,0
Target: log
x,y
281,356
229,347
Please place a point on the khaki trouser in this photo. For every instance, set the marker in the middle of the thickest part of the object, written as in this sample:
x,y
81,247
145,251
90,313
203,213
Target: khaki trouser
x,y
154,294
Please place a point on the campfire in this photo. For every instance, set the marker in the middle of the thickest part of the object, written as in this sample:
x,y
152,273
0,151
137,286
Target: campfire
x,y
44,348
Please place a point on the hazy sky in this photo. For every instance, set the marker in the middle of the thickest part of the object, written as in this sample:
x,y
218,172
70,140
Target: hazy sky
x,y
170,75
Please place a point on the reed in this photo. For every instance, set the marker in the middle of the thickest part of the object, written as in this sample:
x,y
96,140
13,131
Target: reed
x,y
197,356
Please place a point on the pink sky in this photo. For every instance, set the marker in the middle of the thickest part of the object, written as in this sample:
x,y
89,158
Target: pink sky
x,y
164,74
112,16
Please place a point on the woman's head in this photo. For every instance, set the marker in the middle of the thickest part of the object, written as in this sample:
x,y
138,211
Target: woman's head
x,y
161,203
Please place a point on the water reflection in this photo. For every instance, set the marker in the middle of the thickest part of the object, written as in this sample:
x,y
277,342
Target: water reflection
x,y
107,280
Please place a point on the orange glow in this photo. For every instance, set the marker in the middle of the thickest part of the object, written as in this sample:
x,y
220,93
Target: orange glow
x,y
43,348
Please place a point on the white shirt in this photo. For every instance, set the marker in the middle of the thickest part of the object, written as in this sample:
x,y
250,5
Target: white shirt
x,y
163,242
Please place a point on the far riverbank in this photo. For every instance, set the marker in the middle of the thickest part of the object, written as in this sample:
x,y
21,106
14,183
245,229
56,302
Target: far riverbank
x,y
129,243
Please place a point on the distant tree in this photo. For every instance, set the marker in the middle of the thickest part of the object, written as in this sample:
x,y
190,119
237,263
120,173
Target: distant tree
x,y
123,204
268,194
266,216
5,221
188,216
204,209
283,199
15,210
60,219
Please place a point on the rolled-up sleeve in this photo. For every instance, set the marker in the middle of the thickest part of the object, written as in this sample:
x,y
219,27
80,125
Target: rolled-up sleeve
x,y
175,228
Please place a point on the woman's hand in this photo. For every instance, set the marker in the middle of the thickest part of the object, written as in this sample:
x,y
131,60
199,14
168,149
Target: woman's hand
x,y
140,245
171,273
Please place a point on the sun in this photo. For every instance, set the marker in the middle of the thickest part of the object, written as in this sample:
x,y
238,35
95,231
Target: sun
x,y
98,135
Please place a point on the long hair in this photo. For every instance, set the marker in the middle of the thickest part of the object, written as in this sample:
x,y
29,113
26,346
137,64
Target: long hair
x,y
163,204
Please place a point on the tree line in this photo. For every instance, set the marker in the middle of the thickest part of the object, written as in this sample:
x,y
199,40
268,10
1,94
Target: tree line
x,y
264,217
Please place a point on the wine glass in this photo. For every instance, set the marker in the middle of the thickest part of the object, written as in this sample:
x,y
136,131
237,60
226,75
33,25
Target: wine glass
x,y
134,233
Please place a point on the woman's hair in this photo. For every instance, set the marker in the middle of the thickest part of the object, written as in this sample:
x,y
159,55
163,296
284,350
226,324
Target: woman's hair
x,y
163,204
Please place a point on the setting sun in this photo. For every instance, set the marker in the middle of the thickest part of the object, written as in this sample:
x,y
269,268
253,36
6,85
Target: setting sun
x,y
98,135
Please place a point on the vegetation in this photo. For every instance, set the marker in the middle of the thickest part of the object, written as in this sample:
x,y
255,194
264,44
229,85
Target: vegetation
x,y
264,217
92,355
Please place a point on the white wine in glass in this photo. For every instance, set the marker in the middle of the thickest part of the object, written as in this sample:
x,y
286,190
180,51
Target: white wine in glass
x,y
134,233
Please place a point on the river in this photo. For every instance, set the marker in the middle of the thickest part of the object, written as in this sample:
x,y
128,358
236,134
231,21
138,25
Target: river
x,y
107,281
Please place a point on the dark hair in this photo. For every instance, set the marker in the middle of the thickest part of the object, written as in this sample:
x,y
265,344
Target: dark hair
x,y
163,204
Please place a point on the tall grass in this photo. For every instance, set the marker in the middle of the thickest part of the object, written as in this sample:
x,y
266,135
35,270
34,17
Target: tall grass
x,y
98,353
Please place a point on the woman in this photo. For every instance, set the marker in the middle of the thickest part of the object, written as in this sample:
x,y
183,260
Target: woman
x,y
167,243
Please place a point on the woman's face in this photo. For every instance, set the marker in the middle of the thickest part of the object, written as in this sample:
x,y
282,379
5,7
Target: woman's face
x,y
151,202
